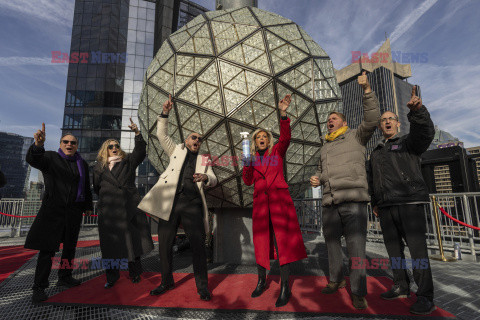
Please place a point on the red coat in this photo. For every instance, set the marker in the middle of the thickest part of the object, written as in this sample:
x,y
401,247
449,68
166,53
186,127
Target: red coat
x,y
271,196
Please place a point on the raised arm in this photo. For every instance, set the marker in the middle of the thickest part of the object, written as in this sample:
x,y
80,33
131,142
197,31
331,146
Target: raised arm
x,y
36,152
285,131
162,128
140,150
422,130
371,111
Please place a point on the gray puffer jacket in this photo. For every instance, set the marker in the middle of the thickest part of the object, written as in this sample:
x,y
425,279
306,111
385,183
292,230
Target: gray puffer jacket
x,y
342,161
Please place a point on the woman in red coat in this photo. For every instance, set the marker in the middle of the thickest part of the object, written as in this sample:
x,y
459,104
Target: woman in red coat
x,y
276,232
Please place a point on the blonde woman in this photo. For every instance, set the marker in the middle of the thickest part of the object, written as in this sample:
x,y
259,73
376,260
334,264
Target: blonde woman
x,y
123,229
274,219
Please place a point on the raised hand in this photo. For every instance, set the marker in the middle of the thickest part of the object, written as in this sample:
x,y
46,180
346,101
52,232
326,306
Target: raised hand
x,y
283,104
314,181
363,81
415,102
39,136
167,105
134,127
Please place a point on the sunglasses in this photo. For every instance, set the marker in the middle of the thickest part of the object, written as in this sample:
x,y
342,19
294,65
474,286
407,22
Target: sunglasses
x,y
113,145
73,143
194,137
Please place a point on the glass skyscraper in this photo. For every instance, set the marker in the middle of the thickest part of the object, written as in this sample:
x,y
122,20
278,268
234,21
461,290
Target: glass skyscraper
x,y
13,164
115,41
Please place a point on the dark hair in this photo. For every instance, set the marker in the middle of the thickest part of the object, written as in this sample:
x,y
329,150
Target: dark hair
x,y
341,115
68,134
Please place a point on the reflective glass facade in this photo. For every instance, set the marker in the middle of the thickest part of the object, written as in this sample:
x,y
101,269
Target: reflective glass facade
x,y
12,163
226,71
104,92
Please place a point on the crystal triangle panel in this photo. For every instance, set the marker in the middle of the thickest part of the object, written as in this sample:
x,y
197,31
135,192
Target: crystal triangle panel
x,y
313,47
267,18
290,33
187,68
163,78
163,54
300,78
199,43
298,104
180,37
283,54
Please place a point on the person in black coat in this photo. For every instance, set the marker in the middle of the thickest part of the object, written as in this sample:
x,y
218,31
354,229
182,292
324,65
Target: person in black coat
x,y
399,196
123,229
67,197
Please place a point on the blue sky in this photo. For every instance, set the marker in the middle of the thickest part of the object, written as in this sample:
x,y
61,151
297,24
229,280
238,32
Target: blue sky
x,y
32,89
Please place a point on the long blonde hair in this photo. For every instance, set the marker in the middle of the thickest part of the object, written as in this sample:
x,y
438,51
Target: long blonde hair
x,y
253,146
102,155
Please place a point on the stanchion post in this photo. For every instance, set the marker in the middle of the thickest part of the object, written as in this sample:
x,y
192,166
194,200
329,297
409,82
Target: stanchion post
x,y
468,220
441,256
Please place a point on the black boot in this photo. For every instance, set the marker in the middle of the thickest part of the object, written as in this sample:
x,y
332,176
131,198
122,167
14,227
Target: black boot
x,y
260,287
284,295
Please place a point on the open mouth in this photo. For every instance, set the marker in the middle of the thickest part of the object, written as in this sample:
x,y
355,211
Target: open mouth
x,y
330,126
114,152
69,148
388,127
262,143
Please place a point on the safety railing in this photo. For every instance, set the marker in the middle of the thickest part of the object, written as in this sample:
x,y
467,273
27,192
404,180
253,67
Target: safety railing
x,y
17,216
461,206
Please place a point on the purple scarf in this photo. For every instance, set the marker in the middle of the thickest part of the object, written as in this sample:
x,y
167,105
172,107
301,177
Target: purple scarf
x,y
81,184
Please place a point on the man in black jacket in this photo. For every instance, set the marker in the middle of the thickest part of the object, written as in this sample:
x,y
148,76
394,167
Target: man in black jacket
x,y
67,196
399,195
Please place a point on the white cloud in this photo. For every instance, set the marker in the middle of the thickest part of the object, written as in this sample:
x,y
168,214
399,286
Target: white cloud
x,y
55,11
407,22
21,61
452,96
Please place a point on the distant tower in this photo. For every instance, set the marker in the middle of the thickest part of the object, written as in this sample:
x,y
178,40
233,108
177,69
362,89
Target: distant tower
x,y
231,4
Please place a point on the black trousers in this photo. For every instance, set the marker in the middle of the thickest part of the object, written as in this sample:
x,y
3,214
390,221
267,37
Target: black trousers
x,y
407,222
190,214
70,234
44,266
134,269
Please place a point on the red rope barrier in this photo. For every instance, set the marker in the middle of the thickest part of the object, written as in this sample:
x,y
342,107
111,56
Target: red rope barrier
x,y
14,216
456,220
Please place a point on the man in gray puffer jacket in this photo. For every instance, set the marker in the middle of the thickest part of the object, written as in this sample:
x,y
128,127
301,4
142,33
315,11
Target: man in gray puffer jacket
x,y
342,174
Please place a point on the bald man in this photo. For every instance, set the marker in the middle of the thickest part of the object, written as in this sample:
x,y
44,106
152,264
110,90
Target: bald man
x,y
399,195
178,197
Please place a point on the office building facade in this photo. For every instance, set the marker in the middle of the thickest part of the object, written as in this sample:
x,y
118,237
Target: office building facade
x,y
387,79
12,163
118,38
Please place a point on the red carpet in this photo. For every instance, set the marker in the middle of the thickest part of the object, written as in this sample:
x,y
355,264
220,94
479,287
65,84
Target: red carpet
x,y
232,292
12,258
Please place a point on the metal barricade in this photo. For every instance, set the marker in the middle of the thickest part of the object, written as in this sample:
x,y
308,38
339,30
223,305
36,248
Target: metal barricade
x,y
24,212
462,206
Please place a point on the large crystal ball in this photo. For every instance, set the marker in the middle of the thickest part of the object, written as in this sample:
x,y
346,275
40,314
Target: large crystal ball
x,y
226,71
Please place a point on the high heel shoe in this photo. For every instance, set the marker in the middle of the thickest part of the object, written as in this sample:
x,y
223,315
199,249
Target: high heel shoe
x,y
284,295
260,287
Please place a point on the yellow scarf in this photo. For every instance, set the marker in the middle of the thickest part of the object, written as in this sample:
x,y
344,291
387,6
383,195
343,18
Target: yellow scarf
x,y
332,136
